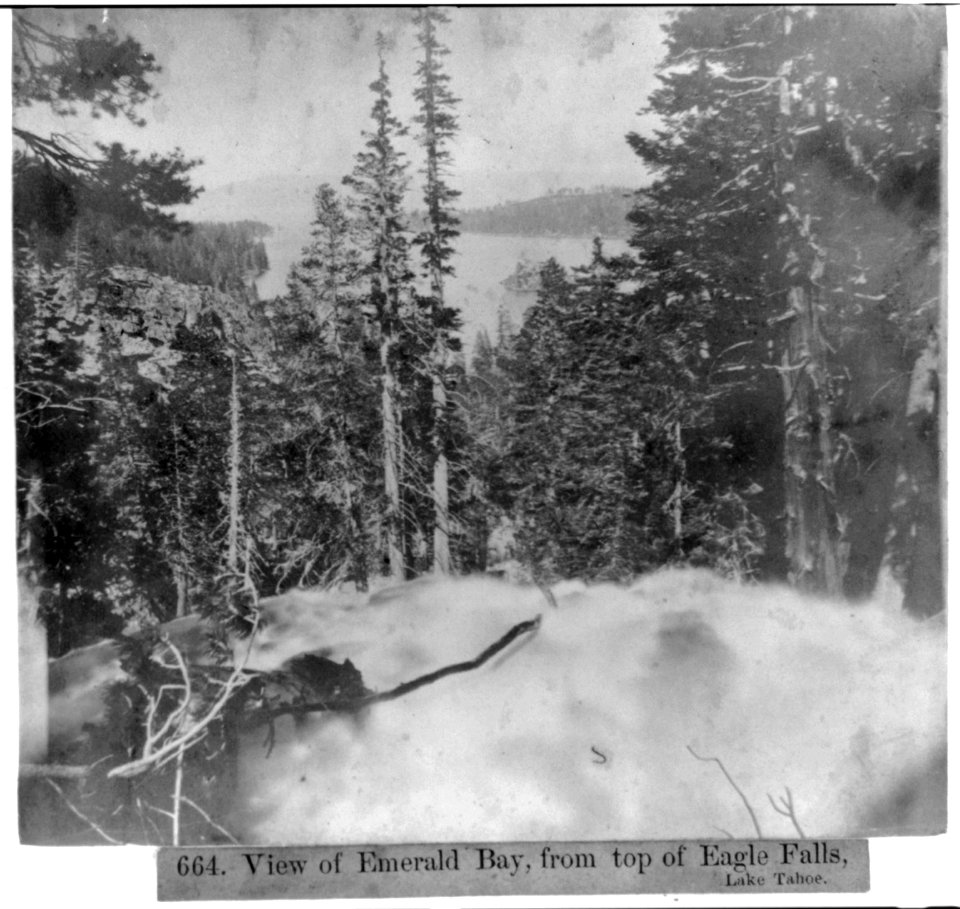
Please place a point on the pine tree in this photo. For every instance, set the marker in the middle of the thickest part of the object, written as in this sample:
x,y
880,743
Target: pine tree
x,y
379,182
325,285
794,206
438,127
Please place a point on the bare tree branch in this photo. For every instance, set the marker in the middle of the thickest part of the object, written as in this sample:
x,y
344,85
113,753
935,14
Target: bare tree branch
x,y
60,771
354,704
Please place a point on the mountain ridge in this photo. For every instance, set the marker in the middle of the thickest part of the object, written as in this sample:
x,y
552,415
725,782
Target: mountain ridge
x,y
285,202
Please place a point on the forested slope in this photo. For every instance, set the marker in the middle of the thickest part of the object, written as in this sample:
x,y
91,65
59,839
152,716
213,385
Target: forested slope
x,y
569,212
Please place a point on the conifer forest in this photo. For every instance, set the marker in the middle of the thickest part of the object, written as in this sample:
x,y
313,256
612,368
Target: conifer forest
x,y
739,382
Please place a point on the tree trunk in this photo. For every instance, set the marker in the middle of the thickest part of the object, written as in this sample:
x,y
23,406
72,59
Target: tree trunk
x,y
433,186
233,527
814,526
875,428
923,593
180,579
180,558
678,490
34,703
34,707
815,545
441,494
391,467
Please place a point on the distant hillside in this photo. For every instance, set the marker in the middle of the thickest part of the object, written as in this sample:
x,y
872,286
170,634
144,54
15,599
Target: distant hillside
x,y
567,213
285,202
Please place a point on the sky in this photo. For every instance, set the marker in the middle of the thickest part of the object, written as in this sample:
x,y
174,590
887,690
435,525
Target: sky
x,y
547,95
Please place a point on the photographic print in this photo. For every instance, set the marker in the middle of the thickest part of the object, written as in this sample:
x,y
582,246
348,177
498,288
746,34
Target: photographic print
x,y
479,424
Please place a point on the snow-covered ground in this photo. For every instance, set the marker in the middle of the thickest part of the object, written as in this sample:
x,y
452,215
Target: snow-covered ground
x,y
588,728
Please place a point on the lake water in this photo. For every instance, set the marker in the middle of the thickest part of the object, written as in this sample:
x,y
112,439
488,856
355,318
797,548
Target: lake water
x,y
482,263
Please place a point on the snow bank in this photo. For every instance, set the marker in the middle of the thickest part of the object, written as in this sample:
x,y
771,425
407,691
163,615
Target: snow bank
x,y
584,729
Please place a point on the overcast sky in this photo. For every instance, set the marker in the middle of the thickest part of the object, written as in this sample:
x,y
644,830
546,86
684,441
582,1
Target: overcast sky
x,y
547,94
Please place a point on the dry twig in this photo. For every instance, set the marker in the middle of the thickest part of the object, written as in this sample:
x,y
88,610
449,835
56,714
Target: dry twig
x,y
209,820
736,788
787,810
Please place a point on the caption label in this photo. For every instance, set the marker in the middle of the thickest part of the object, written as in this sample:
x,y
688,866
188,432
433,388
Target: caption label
x,y
767,866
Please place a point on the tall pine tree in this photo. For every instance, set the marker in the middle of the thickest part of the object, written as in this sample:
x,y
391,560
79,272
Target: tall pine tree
x,y
379,182
438,126
329,276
